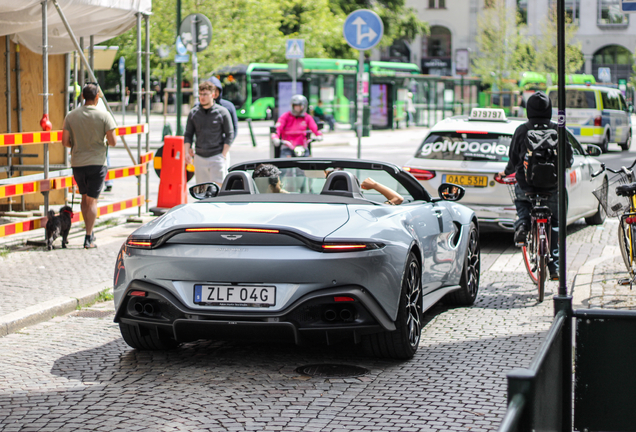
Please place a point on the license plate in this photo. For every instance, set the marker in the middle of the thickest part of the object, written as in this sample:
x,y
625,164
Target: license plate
x,y
466,180
235,295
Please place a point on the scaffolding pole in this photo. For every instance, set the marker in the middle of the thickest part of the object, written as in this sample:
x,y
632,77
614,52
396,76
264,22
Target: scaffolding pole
x,y
139,101
148,103
45,91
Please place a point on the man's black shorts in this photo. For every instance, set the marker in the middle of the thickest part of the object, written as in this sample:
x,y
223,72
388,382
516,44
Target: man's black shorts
x,y
90,179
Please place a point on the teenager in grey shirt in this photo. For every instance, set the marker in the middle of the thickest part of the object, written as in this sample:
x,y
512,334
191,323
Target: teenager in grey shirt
x,y
212,125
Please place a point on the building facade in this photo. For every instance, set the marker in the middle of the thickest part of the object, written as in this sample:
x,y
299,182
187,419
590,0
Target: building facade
x,y
607,36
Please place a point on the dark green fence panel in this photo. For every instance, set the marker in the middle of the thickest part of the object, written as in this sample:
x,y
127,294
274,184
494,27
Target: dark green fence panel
x,y
605,377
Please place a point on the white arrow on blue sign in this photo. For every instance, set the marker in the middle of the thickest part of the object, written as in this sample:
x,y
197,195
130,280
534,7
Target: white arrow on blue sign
x,y
363,29
122,65
628,5
295,49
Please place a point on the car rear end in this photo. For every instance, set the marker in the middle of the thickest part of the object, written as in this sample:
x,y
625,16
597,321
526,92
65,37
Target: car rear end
x,y
584,113
268,281
469,153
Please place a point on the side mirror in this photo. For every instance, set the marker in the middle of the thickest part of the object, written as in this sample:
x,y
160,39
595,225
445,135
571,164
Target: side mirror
x,y
272,129
594,150
630,108
204,190
451,192
320,125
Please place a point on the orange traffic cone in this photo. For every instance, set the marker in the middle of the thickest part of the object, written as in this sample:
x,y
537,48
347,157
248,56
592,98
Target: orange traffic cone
x,y
172,183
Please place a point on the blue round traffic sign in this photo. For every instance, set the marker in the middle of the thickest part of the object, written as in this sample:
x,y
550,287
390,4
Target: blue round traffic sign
x,y
122,65
363,29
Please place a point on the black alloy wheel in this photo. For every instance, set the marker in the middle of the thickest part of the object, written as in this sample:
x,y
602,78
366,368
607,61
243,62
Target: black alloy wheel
x,y
402,343
469,281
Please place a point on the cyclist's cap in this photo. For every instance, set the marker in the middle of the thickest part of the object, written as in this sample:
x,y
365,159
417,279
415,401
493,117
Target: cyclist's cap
x,y
539,106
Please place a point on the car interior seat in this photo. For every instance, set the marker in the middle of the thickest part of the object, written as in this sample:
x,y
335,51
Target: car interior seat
x,y
342,183
238,183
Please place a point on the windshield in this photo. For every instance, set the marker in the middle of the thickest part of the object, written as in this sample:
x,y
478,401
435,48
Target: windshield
x,y
575,99
234,88
298,181
465,146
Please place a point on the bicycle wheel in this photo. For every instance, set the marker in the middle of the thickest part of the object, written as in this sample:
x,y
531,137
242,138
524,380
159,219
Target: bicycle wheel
x,y
530,256
626,242
542,268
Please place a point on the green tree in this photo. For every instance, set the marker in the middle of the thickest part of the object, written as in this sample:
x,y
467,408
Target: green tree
x,y
498,42
547,51
245,31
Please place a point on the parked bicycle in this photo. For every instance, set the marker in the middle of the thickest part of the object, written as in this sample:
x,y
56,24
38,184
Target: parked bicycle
x,y
536,250
618,198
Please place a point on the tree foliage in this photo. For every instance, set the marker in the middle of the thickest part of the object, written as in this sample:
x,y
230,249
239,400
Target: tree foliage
x,y
505,49
498,40
547,51
246,31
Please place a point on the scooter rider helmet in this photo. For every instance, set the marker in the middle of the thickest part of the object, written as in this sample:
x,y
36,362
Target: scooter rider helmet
x,y
302,102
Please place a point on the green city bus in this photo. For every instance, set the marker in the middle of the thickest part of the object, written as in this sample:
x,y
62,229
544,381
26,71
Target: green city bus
x,y
250,88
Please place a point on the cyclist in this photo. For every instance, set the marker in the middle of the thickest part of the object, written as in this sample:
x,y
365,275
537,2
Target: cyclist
x,y
292,127
539,110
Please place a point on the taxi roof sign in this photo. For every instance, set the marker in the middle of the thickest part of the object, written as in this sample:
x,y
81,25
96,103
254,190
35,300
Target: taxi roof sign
x,y
488,114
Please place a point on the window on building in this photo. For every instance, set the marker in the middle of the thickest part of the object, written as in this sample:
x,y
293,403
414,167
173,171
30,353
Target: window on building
x,y
609,13
437,4
572,8
438,42
522,10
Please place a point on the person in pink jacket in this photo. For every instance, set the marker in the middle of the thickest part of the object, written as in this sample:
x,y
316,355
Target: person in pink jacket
x,y
292,128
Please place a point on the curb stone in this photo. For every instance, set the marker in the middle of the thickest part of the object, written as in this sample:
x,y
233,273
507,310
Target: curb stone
x,y
35,314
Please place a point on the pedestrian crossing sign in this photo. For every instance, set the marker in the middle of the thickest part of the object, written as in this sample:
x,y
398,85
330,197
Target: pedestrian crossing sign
x,y
295,49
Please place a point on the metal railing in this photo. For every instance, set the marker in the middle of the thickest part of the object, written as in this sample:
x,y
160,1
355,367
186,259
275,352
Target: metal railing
x,y
541,397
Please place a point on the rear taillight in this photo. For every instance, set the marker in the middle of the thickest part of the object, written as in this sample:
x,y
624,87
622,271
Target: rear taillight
x,y
511,179
421,174
349,247
598,121
249,230
140,243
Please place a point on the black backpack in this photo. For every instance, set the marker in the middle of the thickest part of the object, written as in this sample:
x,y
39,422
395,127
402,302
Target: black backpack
x,y
540,161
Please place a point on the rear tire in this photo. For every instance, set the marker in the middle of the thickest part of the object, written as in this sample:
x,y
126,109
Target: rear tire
x,y
142,338
402,343
541,277
624,245
627,144
605,144
599,217
469,281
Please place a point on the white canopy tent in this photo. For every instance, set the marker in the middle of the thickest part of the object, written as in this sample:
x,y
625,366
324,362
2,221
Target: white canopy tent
x,y
102,19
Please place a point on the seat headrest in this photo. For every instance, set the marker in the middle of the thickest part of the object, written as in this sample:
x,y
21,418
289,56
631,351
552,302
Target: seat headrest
x,y
342,183
238,183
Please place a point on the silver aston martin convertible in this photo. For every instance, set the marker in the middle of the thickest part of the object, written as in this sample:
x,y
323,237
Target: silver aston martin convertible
x,y
303,254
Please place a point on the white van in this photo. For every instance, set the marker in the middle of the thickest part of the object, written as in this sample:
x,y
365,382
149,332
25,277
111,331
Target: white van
x,y
596,115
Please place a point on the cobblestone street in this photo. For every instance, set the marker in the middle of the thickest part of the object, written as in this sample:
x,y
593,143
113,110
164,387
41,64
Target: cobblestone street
x,y
74,372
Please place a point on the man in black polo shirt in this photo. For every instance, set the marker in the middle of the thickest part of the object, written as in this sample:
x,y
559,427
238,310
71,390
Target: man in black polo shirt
x,y
212,125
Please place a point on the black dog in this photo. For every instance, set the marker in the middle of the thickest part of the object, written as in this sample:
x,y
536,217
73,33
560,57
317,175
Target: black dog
x,y
58,225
